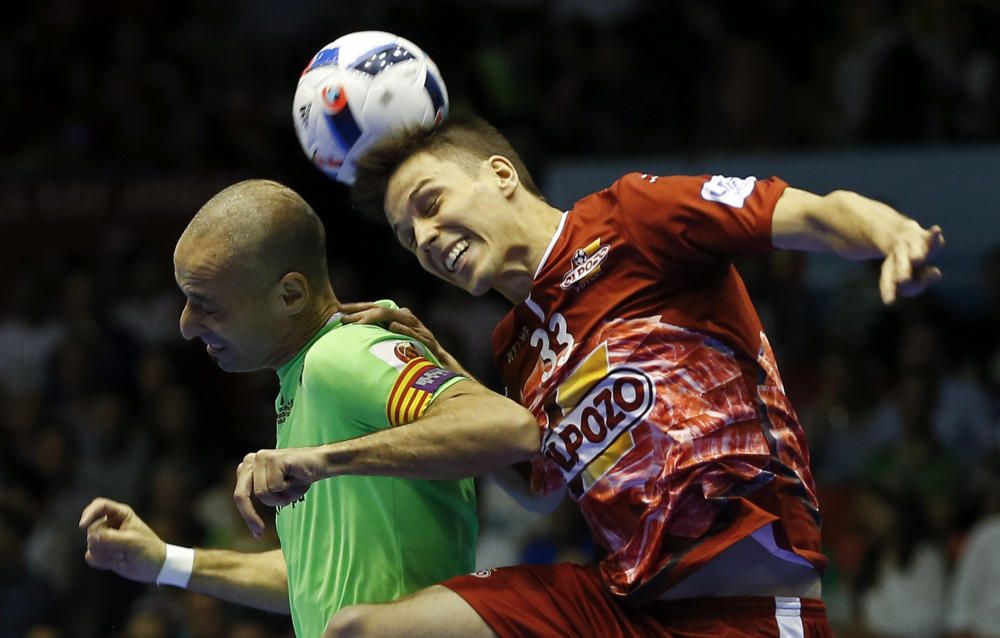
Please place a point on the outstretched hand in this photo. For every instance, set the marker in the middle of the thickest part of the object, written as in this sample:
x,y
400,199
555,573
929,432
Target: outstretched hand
x,y
274,478
120,541
401,321
906,270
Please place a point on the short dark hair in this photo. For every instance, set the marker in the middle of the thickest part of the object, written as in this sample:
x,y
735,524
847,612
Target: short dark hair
x,y
464,139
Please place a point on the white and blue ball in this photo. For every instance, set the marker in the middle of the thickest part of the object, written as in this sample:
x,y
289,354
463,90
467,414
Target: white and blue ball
x,y
358,88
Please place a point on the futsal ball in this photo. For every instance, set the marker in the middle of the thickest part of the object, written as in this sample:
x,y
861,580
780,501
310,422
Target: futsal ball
x,y
358,88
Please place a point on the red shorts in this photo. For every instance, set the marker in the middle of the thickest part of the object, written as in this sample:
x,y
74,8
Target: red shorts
x,y
570,600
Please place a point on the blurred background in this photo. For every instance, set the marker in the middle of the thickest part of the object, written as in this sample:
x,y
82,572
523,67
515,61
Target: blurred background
x,y
121,118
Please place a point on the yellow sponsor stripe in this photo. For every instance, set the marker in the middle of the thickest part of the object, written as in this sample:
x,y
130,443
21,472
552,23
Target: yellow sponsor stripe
x,y
599,466
593,369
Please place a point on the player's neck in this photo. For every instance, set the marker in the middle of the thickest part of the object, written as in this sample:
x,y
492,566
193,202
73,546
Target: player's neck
x,y
536,233
303,331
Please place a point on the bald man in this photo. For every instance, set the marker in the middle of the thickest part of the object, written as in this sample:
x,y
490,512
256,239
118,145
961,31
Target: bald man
x,y
252,266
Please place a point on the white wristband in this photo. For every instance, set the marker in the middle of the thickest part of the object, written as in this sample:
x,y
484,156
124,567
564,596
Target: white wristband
x,y
177,567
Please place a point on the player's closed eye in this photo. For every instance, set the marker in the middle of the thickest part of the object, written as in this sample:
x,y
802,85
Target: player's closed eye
x,y
207,311
432,209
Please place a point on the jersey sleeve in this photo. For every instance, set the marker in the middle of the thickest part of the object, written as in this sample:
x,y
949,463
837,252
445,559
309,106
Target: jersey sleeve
x,y
708,218
377,378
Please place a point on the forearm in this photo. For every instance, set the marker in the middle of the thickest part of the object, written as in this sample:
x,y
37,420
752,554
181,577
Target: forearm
x,y
843,222
258,580
470,432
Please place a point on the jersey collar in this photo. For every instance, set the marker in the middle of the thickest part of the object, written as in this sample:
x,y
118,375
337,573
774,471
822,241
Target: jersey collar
x,y
552,244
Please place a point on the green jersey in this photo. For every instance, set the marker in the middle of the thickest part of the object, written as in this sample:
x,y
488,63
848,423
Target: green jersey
x,y
365,539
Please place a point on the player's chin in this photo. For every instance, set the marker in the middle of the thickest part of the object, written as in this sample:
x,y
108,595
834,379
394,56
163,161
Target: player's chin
x,y
477,287
469,284
229,364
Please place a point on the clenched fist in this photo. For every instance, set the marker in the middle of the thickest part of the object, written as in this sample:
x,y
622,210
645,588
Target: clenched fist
x,y
118,540
275,478
905,270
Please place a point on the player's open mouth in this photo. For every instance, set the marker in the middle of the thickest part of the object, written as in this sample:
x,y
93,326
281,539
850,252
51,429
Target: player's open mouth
x,y
456,252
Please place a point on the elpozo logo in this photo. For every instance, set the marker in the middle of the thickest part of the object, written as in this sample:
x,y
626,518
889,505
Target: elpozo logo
x,y
586,263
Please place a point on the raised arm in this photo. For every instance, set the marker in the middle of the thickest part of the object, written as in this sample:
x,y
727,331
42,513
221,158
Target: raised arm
x,y
467,431
403,321
857,227
120,541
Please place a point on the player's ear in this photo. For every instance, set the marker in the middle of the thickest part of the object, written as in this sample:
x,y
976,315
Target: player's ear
x,y
292,293
504,173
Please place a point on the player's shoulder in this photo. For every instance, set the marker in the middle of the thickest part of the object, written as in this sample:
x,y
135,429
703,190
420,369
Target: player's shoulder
x,y
650,182
353,337
352,345
639,179
637,187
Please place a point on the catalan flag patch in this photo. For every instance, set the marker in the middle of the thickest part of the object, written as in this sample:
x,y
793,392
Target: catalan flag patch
x,y
414,387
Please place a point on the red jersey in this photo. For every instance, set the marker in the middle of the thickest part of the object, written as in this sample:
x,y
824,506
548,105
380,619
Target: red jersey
x,y
658,396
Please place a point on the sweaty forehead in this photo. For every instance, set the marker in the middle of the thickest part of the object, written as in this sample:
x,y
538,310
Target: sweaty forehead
x,y
196,248
203,261
415,175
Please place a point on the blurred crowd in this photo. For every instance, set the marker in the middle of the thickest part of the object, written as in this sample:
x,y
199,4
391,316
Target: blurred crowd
x,y
138,86
99,396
